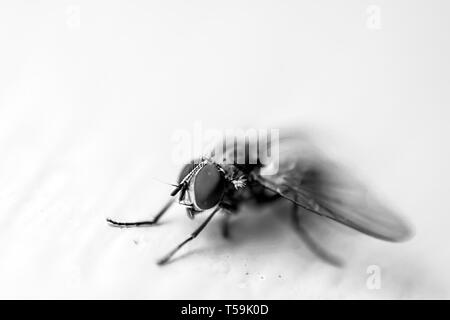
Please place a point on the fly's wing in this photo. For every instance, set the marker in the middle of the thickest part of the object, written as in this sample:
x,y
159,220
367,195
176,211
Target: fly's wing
x,y
319,186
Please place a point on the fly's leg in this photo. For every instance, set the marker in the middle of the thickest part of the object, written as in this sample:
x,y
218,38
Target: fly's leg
x,y
142,223
313,246
194,234
229,209
226,225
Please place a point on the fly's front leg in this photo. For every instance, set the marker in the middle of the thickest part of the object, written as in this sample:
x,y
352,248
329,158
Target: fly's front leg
x,y
142,223
194,234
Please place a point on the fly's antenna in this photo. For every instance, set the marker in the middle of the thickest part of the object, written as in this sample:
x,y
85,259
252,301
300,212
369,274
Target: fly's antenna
x,y
177,186
164,182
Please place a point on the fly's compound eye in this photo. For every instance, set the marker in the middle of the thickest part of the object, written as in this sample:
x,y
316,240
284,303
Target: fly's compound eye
x,y
209,186
187,169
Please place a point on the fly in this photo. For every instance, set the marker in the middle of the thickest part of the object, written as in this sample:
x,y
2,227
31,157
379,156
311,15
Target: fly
x,y
304,177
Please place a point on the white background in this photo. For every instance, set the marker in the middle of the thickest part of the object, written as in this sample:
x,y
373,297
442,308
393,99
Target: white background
x,y
91,93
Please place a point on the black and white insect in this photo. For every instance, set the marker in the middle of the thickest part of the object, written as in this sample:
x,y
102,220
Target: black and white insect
x,y
304,177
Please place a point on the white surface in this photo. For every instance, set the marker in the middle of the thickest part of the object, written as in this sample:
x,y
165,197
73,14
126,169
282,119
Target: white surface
x,y
88,108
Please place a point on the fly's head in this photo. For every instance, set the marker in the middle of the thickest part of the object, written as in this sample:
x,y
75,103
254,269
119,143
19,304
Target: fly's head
x,y
201,185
